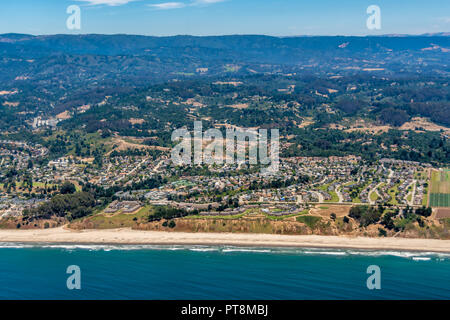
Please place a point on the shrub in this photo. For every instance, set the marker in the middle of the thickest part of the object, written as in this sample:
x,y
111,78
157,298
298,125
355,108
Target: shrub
x,y
425,212
387,220
310,221
382,232
366,215
162,212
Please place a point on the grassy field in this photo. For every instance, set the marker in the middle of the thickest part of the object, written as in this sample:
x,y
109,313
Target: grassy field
x,y
333,194
393,192
118,220
374,196
280,218
421,175
334,197
425,195
233,217
440,188
36,186
425,198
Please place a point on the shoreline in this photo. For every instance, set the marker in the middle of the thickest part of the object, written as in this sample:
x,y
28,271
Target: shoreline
x,y
62,235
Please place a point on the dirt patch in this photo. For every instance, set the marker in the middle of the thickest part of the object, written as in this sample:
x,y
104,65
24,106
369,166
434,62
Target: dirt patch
x,y
4,92
443,213
193,102
64,115
327,210
306,122
416,124
371,129
364,126
422,124
232,83
239,106
136,121
122,145
84,108
11,104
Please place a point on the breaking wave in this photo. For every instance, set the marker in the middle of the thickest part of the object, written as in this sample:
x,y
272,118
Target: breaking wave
x,y
412,255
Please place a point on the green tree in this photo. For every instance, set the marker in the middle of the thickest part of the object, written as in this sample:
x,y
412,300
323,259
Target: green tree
x,y
67,188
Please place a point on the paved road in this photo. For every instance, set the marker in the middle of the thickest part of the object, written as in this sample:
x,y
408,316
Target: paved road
x,y
413,191
339,194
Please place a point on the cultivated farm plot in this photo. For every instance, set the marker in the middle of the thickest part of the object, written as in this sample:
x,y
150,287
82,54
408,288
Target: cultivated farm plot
x,y
440,188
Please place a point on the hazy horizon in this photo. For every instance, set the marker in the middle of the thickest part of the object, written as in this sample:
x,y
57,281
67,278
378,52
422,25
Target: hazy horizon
x,y
281,18
441,33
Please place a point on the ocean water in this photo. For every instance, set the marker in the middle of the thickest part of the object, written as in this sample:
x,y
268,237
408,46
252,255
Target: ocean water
x,y
202,272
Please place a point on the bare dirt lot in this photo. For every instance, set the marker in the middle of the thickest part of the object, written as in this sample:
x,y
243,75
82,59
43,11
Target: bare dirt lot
x,y
326,210
421,124
122,145
443,213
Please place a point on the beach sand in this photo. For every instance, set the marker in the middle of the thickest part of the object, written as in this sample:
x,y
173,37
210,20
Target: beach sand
x,y
128,236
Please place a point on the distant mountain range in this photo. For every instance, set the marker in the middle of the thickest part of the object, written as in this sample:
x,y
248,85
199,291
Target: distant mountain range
x,y
386,80
75,61
276,49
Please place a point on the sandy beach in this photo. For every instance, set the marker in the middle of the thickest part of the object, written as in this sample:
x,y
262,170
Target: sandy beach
x,y
128,236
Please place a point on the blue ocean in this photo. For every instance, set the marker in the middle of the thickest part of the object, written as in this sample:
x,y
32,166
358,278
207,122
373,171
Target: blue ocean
x,y
203,272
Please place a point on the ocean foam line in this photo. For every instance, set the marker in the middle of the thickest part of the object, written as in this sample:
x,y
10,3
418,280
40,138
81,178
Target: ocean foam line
x,y
333,253
417,256
421,258
236,249
204,249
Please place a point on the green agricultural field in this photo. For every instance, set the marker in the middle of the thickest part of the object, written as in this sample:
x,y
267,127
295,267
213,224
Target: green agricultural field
x,y
425,199
440,200
440,188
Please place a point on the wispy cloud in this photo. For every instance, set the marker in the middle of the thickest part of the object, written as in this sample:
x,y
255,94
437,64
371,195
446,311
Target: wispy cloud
x,y
168,5
204,2
178,5
159,6
106,2
444,19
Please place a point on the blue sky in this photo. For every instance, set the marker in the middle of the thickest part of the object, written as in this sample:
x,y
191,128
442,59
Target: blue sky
x,y
218,17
